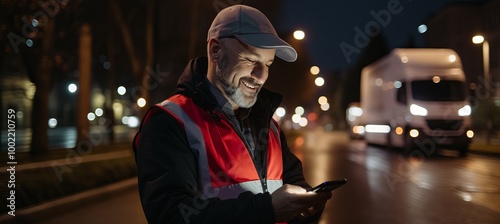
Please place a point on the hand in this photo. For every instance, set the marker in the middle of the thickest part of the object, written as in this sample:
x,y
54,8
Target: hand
x,y
290,200
320,205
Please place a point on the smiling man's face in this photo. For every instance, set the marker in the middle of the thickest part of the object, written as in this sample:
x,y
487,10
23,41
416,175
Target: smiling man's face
x,y
241,71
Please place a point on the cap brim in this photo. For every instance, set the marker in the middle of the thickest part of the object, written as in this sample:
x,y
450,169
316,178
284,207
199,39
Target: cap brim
x,y
270,41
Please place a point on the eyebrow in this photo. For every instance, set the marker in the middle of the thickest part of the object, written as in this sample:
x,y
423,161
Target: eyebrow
x,y
259,56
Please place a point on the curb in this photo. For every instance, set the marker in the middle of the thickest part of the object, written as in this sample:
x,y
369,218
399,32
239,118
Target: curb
x,y
51,208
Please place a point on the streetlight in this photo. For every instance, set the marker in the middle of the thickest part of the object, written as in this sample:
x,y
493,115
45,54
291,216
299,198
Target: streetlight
x,y
319,81
299,34
314,70
478,39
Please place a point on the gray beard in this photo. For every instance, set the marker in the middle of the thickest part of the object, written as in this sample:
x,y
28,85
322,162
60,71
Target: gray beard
x,y
233,92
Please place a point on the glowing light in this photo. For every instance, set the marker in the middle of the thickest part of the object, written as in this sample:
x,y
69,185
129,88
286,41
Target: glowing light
x,y
355,111
72,88
414,133
358,130
325,106
404,59
467,197
280,111
121,90
20,114
436,79
133,121
299,110
29,43
422,28
125,119
91,116
303,122
319,81
465,111
322,100
312,117
418,110
477,39
34,22
141,102
99,112
452,58
377,128
470,134
296,118
351,117
299,35
397,84
379,82
52,123
399,130
314,70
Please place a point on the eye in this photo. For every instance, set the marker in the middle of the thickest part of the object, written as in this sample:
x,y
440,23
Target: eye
x,y
251,61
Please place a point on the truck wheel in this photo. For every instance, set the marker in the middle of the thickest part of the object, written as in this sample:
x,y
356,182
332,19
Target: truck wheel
x,y
462,151
389,142
408,144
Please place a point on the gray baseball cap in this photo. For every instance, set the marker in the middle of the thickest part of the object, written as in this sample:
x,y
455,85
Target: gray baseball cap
x,y
252,27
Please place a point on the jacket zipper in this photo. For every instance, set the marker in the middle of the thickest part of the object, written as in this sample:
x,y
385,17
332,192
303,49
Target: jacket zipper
x,y
263,180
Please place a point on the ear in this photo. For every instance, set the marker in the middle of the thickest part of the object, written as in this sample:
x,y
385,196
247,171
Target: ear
x,y
214,49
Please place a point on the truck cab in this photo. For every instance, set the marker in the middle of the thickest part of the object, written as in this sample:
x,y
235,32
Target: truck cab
x,y
416,99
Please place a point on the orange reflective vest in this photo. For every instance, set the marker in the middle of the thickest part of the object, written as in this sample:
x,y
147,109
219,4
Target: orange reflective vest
x,y
225,165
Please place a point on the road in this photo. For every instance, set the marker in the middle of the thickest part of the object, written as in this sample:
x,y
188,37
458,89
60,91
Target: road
x,y
383,186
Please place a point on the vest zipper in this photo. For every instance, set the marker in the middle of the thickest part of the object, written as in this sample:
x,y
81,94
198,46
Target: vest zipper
x,y
263,180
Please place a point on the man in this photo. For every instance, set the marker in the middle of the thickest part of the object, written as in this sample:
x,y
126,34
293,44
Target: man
x,y
212,153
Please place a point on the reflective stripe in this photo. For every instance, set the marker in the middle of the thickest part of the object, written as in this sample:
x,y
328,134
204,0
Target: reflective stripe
x,y
225,167
194,137
233,190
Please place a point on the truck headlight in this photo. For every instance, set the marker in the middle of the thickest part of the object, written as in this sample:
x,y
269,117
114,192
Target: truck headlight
x,y
418,110
464,111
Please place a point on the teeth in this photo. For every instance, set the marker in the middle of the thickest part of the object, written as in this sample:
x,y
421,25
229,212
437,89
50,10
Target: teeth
x,y
248,85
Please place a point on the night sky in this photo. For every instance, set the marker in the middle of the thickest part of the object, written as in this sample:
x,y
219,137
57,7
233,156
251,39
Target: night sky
x,y
328,24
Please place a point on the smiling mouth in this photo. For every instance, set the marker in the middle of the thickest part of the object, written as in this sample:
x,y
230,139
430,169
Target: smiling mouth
x,y
249,85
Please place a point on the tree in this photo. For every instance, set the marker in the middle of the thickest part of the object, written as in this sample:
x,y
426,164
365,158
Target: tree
x,y
31,28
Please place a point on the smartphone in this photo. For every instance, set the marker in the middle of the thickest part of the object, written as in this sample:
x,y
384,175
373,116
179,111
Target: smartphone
x,y
329,185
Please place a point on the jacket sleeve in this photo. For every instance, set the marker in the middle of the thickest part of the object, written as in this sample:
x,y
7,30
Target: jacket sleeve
x,y
292,174
167,176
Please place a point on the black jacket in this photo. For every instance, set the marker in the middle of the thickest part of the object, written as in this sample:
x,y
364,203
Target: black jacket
x,y
167,168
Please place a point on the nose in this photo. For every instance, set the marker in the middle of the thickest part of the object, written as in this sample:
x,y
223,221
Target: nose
x,y
260,73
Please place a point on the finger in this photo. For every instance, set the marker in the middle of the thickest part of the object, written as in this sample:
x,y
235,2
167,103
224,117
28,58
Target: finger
x,y
325,195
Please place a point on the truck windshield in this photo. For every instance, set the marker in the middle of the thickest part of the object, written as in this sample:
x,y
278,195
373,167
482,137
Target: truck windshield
x,y
444,90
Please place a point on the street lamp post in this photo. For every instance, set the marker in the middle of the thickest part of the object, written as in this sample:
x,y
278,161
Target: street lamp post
x,y
478,39
486,66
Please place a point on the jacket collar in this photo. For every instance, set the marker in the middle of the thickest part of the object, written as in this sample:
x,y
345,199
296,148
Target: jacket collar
x,y
193,83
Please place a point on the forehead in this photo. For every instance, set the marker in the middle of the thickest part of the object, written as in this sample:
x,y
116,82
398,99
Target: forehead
x,y
233,44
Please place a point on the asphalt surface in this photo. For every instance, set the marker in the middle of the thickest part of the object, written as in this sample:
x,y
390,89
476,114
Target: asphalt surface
x,y
383,186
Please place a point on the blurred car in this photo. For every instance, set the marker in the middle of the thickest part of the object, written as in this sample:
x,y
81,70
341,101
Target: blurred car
x,y
353,114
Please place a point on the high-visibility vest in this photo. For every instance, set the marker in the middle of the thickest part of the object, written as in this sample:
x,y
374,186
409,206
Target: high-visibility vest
x,y
225,166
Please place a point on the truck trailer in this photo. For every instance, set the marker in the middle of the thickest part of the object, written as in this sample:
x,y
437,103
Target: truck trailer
x,y
416,99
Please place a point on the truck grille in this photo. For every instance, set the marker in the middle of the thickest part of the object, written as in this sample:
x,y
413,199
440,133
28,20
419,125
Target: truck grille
x,y
448,125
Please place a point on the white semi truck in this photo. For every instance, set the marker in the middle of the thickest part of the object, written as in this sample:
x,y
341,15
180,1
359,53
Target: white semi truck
x,y
416,99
